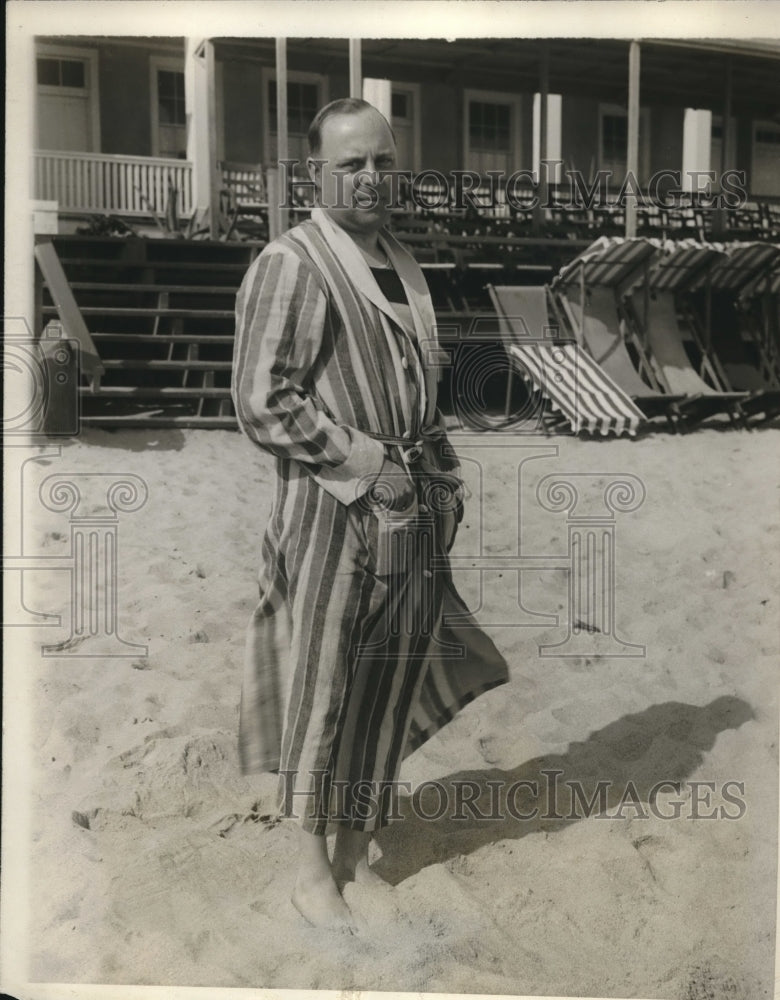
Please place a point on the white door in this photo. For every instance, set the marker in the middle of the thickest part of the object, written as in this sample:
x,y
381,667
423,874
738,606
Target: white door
x,y
64,105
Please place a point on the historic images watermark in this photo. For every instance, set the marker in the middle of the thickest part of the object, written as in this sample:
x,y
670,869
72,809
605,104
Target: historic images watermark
x,y
42,406
408,545
431,190
494,800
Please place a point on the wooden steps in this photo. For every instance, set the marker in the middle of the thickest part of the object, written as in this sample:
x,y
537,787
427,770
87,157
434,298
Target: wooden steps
x,y
155,365
143,312
161,314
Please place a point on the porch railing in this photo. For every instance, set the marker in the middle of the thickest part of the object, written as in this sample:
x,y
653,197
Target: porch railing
x,y
125,185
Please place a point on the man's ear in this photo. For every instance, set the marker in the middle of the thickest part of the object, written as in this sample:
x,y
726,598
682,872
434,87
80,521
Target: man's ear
x,y
314,166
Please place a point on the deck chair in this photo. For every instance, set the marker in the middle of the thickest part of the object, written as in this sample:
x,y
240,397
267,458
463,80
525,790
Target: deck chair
x,y
665,342
597,330
729,312
671,386
561,371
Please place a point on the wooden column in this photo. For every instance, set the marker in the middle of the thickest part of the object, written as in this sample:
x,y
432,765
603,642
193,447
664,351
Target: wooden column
x,y
282,138
720,216
544,92
632,152
544,89
725,146
355,68
211,118
201,107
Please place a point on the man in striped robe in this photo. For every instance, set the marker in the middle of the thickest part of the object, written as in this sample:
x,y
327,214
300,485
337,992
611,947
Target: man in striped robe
x,y
351,662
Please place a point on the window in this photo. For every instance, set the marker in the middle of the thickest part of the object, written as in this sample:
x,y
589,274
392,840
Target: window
x,y
169,111
306,94
768,135
405,120
170,97
764,177
62,73
302,106
613,142
489,127
400,104
491,134
614,137
716,143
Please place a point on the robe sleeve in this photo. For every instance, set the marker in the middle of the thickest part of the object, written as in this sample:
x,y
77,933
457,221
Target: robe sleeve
x,y
281,311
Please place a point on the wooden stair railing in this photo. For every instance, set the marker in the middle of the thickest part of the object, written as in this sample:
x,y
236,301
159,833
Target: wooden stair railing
x,y
69,313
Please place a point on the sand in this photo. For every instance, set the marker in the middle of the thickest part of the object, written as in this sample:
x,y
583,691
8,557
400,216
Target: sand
x,y
154,862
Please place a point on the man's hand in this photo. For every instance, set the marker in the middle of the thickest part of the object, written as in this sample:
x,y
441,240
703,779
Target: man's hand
x,y
392,488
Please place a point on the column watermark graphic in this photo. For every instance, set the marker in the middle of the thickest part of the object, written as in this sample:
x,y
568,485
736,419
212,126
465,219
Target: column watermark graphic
x,y
408,551
41,407
93,559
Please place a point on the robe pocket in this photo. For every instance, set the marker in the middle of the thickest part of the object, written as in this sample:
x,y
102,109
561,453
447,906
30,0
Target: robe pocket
x,y
393,538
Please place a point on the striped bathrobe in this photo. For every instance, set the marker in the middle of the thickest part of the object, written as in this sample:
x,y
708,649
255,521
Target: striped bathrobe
x,y
351,662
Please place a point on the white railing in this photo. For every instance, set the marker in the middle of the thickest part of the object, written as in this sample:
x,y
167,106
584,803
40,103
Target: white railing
x,y
246,183
125,185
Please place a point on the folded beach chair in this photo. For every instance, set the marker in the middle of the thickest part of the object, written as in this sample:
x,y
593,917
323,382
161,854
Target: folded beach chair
x,y
575,386
643,317
586,295
732,312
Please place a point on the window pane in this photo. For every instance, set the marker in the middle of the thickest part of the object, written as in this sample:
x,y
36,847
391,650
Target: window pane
x,y
302,104
49,72
615,136
489,126
399,105
164,87
72,73
170,97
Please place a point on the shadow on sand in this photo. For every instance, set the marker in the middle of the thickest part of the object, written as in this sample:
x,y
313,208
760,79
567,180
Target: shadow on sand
x,y
664,743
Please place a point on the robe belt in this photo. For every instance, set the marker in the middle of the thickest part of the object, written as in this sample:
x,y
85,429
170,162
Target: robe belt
x,y
411,450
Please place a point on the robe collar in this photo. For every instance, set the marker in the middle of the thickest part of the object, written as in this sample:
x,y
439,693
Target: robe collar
x,y
406,267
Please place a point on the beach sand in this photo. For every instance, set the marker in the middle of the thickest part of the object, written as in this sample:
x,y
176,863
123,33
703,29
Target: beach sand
x,y
154,862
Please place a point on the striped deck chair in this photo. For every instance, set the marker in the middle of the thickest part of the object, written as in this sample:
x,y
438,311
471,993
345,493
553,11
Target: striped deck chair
x,y
596,328
666,345
739,325
724,370
561,371
609,319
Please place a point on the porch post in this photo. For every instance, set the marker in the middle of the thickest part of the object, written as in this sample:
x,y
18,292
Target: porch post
x,y
725,146
632,153
544,93
544,88
720,216
355,68
201,109
283,142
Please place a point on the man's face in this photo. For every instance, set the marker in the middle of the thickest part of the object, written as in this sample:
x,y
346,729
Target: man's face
x,y
356,149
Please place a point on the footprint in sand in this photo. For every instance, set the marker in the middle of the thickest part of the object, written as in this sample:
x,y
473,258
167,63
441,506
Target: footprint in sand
x,y
228,824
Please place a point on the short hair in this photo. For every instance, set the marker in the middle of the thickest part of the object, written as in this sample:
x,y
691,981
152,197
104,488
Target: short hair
x,y
343,106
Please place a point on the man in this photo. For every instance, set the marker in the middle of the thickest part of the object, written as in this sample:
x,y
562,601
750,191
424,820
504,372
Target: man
x,y
349,663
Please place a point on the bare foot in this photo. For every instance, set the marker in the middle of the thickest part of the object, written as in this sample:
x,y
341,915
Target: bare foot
x,y
316,896
350,858
320,902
